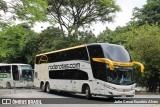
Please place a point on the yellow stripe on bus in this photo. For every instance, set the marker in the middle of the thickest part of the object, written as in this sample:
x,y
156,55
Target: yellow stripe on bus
x,y
61,50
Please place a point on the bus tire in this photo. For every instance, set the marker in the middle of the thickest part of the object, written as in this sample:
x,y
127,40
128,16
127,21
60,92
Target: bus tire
x,y
8,85
87,92
110,98
47,87
42,86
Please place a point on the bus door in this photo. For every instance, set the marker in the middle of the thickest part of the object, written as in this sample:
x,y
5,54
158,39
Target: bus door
x,y
16,76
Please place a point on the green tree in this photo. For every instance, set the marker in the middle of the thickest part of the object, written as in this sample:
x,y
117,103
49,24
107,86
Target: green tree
x,y
3,6
144,45
74,14
115,36
30,10
105,36
13,44
52,39
84,37
149,13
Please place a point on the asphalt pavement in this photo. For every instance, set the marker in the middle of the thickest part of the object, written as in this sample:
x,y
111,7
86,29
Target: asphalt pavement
x,y
57,99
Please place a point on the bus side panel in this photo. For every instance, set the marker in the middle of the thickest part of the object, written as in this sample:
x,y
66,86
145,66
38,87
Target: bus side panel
x,y
71,79
5,76
36,79
42,74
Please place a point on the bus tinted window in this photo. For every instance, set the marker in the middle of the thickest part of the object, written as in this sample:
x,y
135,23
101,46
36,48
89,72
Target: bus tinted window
x,y
73,54
5,69
116,53
81,54
73,74
95,51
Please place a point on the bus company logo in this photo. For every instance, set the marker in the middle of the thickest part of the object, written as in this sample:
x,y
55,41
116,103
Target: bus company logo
x,y
43,59
6,101
64,66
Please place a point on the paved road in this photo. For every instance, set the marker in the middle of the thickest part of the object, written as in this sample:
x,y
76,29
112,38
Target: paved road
x,y
68,100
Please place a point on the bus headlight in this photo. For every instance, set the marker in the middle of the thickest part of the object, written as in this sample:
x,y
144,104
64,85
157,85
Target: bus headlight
x,y
133,87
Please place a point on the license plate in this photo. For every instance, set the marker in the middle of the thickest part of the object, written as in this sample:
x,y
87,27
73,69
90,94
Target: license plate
x,y
123,95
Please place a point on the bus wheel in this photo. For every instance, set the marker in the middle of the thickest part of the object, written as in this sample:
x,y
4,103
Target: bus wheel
x,y
47,88
8,85
43,88
110,98
87,92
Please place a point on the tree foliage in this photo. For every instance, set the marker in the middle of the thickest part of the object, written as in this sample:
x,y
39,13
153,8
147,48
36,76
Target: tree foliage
x,y
144,45
105,36
73,14
30,10
149,13
117,36
3,6
53,39
14,42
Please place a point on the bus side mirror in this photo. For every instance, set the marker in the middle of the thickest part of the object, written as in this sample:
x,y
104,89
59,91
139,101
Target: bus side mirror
x,y
138,63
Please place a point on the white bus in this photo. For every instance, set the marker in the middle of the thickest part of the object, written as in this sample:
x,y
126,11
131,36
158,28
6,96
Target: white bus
x,y
93,69
16,75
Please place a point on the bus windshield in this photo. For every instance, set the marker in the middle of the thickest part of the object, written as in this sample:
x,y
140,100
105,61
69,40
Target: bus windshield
x,y
116,53
121,76
27,73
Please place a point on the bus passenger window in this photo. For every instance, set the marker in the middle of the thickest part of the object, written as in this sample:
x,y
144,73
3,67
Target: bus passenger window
x,y
8,69
5,69
95,51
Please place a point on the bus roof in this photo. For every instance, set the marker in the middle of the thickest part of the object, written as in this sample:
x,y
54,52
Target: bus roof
x,y
79,46
5,64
